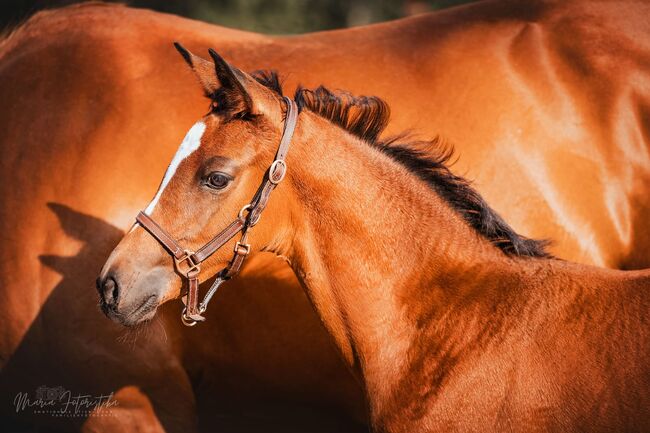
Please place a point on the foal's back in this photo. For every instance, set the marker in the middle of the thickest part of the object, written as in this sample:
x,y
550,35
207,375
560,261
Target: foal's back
x,y
571,352
591,354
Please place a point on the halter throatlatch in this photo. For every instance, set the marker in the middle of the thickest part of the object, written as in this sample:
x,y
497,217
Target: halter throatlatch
x,y
188,263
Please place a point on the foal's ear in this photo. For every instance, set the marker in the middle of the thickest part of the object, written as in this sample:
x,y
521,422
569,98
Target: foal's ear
x,y
236,85
203,69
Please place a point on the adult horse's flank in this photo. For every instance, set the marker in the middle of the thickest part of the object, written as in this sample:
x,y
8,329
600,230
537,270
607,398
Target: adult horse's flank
x,y
445,329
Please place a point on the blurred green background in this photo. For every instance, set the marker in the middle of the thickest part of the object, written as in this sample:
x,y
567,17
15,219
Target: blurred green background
x,y
267,16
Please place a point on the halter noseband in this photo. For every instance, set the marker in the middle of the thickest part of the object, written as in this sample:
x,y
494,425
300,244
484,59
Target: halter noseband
x,y
188,263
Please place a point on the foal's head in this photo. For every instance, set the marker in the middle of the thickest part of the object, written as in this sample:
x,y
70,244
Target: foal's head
x,y
215,172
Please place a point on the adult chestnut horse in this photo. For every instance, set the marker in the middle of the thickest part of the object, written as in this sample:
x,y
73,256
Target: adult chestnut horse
x,y
409,269
546,102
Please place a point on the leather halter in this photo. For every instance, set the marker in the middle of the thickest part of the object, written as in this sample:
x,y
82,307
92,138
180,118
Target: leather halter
x,y
188,262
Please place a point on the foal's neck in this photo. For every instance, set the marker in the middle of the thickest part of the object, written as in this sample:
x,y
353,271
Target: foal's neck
x,y
381,256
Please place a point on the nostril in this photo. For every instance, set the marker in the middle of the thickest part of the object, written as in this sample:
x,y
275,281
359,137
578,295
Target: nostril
x,y
110,290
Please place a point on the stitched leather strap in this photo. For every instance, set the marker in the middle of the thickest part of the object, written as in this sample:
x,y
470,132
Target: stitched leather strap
x,y
242,249
193,311
220,240
278,168
161,235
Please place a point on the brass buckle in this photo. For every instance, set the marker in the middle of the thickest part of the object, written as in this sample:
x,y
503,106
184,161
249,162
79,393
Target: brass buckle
x,y
246,247
192,266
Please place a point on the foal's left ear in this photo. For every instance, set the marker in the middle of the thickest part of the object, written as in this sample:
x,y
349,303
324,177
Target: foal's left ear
x,y
203,70
243,95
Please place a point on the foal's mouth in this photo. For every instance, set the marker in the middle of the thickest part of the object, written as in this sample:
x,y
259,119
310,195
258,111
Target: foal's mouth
x,y
136,316
149,305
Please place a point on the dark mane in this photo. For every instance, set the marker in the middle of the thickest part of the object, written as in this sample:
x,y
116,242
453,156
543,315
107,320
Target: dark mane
x,y
367,117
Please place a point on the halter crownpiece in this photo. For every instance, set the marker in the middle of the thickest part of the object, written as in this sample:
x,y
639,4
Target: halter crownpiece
x,y
188,262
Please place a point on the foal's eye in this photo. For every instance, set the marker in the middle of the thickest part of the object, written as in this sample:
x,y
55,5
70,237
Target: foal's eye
x,y
217,180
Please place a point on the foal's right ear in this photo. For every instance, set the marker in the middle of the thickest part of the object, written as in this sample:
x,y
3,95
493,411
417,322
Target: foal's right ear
x,y
203,69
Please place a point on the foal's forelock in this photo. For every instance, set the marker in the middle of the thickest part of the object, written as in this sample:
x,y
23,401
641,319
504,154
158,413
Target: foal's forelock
x,y
190,143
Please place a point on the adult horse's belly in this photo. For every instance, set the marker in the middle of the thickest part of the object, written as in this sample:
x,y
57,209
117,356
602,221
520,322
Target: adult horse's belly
x,y
550,119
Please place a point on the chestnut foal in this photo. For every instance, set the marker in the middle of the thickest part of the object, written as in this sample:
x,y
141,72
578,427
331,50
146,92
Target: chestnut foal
x,y
406,265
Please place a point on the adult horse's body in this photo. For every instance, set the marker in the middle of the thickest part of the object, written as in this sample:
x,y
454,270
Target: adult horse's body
x,y
449,318
546,102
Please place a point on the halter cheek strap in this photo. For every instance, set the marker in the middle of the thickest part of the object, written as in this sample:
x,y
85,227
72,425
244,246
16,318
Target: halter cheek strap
x,y
188,262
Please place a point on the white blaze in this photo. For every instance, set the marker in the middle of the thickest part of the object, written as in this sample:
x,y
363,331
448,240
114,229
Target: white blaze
x,y
190,143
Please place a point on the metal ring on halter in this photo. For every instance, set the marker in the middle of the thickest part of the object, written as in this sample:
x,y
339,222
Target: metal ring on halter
x,y
247,207
187,321
277,164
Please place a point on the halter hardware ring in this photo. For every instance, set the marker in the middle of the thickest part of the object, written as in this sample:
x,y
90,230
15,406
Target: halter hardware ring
x,y
277,164
245,208
192,266
187,321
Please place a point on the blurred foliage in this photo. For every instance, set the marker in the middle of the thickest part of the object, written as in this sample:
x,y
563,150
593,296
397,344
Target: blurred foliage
x,y
268,16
